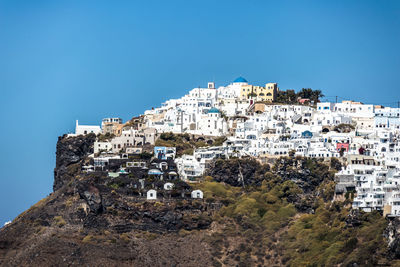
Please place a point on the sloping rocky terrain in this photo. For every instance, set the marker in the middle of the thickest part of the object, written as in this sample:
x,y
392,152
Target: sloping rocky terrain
x,y
251,215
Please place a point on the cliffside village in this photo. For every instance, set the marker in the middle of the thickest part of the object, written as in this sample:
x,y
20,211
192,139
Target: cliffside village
x,y
256,125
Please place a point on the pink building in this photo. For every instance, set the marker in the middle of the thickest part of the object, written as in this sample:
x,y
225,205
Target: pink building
x,y
339,146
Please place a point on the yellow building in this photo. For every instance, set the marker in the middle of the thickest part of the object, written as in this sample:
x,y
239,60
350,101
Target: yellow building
x,y
112,126
259,93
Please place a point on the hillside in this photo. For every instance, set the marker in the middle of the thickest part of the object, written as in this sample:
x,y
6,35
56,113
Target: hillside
x,y
278,214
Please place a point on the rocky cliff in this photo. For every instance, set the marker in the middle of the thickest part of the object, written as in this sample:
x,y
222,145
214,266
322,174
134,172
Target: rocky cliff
x,y
69,155
251,215
96,220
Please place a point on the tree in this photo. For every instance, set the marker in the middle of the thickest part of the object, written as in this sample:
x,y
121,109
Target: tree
x,y
316,95
311,94
287,97
305,93
290,96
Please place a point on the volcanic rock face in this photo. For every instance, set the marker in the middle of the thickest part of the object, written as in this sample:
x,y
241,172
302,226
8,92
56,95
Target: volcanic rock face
x,y
232,171
134,212
96,220
353,219
92,196
70,152
86,222
392,234
308,174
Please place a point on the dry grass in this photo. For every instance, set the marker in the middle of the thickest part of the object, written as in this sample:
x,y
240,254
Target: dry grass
x,y
59,221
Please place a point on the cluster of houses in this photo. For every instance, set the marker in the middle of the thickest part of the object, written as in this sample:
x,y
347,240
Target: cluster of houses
x,y
155,175
365,136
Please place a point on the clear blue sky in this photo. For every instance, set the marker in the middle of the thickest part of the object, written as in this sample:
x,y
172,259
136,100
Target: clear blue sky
x,y
67,60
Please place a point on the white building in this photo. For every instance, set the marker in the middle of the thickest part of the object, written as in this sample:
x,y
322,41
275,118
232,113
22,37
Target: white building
x,y
354,109
197,194
151,194
86,129
102,146
168,186
189,168
212,124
